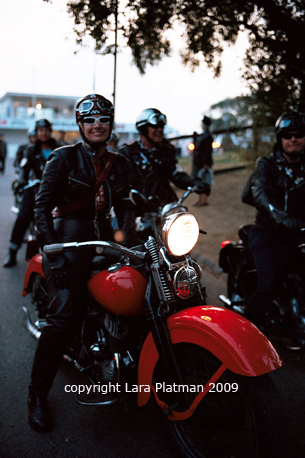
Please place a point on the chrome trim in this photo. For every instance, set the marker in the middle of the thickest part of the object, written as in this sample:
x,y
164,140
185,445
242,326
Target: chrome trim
x,y
30,326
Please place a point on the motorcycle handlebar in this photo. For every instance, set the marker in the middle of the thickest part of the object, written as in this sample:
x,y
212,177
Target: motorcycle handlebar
x,y
186,194
58,248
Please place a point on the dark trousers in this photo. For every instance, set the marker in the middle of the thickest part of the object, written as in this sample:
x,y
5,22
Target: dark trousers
x,y
2,164
270,249
24,218
67,308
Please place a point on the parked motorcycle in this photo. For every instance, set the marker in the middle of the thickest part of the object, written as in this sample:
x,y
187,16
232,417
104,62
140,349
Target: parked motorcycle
x,y
206,367
286,316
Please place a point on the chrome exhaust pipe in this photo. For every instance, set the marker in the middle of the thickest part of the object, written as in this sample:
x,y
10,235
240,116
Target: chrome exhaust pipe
x,y
30,326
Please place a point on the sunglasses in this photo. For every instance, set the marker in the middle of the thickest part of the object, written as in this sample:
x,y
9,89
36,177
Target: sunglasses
x,y
288,135
101,120
86,106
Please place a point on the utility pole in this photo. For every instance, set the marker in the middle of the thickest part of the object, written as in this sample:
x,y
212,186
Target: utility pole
x,y
94,73
115,51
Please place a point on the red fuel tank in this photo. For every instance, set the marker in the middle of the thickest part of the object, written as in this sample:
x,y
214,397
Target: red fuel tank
x,y
121,291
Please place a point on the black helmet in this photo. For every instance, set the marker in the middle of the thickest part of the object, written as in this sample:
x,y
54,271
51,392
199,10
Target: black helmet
x,y
291,121
31,133
114,137
150,116
43,123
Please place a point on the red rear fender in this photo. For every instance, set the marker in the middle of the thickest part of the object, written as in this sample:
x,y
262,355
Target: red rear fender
x,y
231,338
34,266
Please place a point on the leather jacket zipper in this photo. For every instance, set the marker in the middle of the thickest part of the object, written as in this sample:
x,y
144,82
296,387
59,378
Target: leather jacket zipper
x,y
80,182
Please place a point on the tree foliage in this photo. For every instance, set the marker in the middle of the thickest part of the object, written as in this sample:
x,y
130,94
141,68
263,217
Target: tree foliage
x,y
275,59
240,116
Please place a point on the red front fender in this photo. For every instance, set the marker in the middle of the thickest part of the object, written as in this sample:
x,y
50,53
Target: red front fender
x,y
231,338
34,266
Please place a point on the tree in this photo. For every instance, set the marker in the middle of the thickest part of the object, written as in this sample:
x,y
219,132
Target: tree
x,y
275,59
239,116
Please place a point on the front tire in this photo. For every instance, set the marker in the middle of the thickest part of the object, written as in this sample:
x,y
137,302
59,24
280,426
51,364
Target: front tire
x,y
242,423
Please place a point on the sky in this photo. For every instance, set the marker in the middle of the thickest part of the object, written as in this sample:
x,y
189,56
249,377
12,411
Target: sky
x,y
39,55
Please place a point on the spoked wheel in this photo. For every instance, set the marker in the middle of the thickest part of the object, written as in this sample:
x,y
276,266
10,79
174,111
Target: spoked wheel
x,y
238,418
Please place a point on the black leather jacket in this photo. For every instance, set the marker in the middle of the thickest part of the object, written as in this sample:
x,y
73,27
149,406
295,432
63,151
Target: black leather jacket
x,y
33,162
152,171
278,191
68,176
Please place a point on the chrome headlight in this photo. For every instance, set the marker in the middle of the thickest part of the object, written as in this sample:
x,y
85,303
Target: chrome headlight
x,y
172,208
180,233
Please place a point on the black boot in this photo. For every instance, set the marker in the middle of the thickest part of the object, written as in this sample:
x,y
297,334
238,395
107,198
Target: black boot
x,y
38,414
10,260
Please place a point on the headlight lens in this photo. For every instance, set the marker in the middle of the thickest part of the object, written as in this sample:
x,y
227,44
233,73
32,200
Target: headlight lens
x,y
180,233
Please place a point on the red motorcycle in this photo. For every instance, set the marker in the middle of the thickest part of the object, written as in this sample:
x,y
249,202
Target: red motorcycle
x,y
207,368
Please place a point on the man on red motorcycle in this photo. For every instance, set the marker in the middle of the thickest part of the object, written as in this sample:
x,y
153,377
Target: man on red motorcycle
x,y
80,184
153,163
278,186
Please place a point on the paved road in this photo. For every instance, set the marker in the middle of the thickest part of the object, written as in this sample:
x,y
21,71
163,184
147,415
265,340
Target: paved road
x,y
94,432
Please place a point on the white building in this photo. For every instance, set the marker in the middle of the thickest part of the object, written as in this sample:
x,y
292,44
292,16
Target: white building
x,y
19,112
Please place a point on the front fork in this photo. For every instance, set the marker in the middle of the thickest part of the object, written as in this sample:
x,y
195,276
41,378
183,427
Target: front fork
x,y
166,353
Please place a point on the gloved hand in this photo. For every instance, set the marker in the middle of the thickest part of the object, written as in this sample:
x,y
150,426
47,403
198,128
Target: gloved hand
x,y
61,268
293,224
19,186
202,188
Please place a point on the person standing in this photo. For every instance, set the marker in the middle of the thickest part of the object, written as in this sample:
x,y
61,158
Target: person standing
x,y
79,186
3,152
31,168
203,160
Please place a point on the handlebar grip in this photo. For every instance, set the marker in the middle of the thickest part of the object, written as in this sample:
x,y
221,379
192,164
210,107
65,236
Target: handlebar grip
x,y
55,248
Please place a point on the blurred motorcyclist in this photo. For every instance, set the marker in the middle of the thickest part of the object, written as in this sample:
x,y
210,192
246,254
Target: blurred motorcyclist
x,y
31,167
153,162
81,183
61,138
3,152
113,143
22,148
278,186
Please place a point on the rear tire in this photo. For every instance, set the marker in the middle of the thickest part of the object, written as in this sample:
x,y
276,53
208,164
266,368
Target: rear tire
x,y
246,423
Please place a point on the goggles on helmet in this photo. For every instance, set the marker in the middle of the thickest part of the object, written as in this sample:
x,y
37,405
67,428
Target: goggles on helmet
x,y
93,107
155,118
